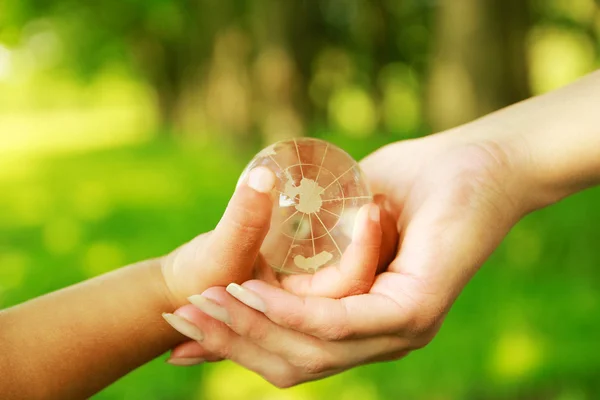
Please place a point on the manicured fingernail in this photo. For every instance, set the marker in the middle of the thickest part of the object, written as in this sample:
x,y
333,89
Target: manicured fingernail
x,y
369,212
261,179
359,223
211,308
184,326
247,297
185,362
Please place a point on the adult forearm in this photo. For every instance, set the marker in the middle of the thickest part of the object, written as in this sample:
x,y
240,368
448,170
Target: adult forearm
x,y
71,343
554,140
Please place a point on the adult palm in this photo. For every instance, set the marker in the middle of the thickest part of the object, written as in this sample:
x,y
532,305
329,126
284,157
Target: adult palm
x,y
453,200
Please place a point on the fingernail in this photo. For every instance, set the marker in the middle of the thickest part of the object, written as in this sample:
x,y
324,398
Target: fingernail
x,y
184,326
374,212
369,212
359,223
247,297
185,362
211,308
261,179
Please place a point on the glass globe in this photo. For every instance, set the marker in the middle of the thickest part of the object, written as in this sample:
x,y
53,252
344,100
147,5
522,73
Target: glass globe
x,y
319,191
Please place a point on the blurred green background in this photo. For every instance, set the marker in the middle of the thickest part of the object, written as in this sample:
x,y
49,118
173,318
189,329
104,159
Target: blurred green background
x,y
125,124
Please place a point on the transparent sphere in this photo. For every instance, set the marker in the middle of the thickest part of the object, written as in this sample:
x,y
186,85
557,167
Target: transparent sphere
x,y
319,191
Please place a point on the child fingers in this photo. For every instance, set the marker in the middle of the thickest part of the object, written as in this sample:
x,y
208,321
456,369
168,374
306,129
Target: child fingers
x,y
236,241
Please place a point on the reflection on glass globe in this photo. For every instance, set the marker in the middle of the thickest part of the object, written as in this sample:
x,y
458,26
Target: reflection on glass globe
x,y
319,191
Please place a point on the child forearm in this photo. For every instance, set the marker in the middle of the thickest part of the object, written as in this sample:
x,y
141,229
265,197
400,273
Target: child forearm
x,y
71,343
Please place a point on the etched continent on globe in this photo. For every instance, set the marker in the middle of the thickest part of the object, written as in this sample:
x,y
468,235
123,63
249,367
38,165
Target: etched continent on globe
x,y
319,190
308,194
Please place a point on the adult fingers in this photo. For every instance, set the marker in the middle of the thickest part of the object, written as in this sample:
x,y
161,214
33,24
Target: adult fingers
x,y
356,270
359,262
191,353
372,251
389,231
218,340
372,314
307,353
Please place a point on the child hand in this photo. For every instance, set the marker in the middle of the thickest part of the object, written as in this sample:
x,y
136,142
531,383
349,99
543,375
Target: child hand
x,y
218,322
230,252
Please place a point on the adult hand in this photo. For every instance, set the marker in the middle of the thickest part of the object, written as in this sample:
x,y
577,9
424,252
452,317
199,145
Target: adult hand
x,y
230,253
453,199
455,196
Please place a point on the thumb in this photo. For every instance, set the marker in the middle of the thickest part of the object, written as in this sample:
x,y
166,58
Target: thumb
x,y
233,246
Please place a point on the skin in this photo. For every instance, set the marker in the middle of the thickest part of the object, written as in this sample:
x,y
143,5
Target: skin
x,y
71,343
454,196
471,183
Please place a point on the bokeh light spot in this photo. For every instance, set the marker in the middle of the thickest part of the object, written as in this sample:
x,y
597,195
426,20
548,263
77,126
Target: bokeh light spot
x,y
13,267
101,257
516,355
352,110
248,386
558,57
5,63
91,201
61,235
580,11
401,106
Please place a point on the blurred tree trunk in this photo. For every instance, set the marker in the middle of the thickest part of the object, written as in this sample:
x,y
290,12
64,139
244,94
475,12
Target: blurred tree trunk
x,y
479,59
307,33
175,61
228,74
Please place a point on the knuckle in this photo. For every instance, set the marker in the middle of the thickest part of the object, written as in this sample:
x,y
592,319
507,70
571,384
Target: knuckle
x,y
392,356
217,344
241,324
334,333
332,325
316,365
282,383
313,361
422,327
293,320
421,342
247,323
244,236
220,348
258,332
357,286
246,219
283,378
321,324
329,324
423,312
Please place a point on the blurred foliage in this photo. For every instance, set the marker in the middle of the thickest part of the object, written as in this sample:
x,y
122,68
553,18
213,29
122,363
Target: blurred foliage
x,y
91,181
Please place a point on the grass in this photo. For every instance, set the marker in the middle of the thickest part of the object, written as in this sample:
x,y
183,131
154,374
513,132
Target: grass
x,y
526,327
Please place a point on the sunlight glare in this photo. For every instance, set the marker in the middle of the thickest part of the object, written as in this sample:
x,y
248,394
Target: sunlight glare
x,y
5,63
